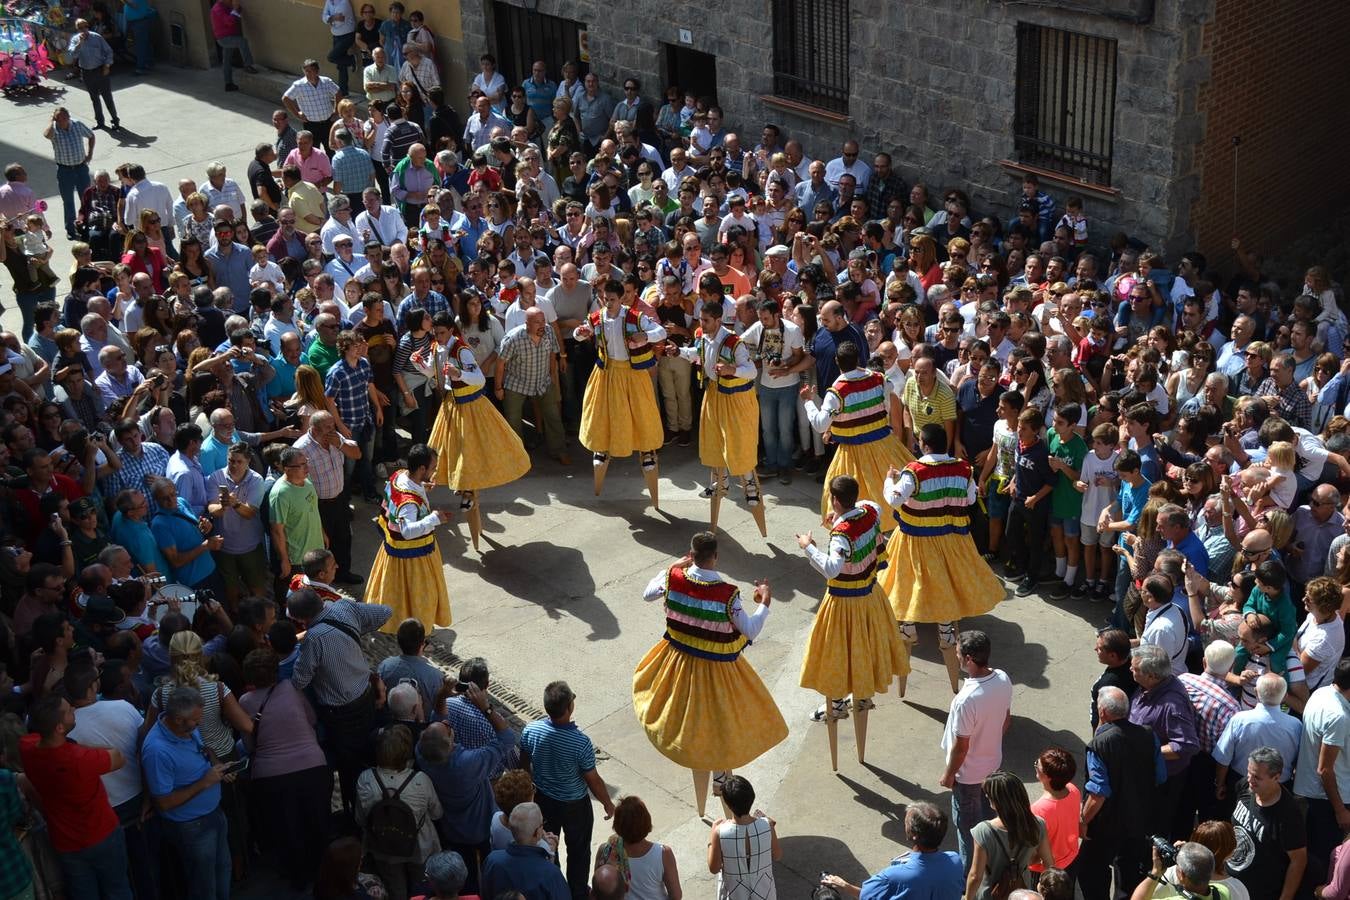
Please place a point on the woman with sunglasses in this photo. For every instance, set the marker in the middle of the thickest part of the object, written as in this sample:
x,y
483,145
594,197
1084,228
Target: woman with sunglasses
x,y
1189,382
521,114
141,257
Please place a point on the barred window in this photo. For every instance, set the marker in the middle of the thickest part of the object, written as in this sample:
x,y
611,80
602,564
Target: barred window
x,y
810,52
1066,102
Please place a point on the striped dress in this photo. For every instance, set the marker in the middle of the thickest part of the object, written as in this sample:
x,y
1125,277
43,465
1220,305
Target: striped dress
x,y
699,700
934,573
854,646
854,414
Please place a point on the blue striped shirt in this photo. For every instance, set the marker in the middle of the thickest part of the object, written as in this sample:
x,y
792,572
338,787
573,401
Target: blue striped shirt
x,y
559,756
353,170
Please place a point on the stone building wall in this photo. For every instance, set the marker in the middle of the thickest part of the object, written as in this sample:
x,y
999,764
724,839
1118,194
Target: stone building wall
x,y
933,85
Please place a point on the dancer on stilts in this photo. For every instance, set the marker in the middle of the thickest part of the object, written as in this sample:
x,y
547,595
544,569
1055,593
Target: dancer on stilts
x,y
618,411
697,697
853,413
476,448
728,425
933,571
406,575
853,648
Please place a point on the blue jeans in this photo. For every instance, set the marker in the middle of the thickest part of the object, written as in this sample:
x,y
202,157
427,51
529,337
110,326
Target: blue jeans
x,y
341,57
1123,578
778,420
364,468
229,44
969,807
28,301
204,849
143,36
100,871
71,182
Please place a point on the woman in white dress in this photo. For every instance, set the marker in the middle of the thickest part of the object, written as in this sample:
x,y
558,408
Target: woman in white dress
x,y
742,849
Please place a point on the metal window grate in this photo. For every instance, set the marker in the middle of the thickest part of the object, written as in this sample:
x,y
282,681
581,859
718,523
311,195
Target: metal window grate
x,y
811,52
1066,101
523,36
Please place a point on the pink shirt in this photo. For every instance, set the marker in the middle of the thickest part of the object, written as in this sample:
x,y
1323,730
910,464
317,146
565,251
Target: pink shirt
x,y
315,169
285,733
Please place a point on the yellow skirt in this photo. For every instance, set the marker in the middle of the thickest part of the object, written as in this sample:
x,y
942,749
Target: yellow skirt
x,y
413,587
475,448
937,579
854,648
868,464
728,431
618,411
702,713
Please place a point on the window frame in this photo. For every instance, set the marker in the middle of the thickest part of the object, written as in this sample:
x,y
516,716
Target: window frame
x,y
812,43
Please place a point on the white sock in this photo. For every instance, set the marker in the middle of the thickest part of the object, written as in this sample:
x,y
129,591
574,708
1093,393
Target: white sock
x,y
1060,563
1070,574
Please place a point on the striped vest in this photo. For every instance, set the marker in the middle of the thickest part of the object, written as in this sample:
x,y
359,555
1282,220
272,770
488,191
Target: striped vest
x,y
394,542
642,358
698,617
939,503
463,393
866,553
726,384
862,416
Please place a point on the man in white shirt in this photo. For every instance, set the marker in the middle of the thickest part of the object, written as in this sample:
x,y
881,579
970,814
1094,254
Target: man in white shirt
x,y
848,163
339,222
147,194
678,171
776,345
1325,748
107,723
222,191
345,263
1164,625
380,222
973,736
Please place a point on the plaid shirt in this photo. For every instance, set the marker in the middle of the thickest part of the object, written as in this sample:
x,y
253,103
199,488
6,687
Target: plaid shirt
x,y
68,147
330,660
473,731
1213,704
527,363
154,460
434,302
348,386
1291,404
15,873
325,465
353,170
228,194
881,191
316,101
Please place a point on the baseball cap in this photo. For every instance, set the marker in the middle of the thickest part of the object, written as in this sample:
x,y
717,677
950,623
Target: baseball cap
x,y
778,250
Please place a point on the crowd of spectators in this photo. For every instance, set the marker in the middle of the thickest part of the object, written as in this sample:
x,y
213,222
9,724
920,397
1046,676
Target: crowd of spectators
x,y
225,374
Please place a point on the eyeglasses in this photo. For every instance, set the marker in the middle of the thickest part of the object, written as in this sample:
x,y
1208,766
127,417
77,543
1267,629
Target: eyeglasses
x,y
1248,554
951,330
302,465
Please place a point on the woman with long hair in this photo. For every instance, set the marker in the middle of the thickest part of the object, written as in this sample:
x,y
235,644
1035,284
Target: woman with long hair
x,y
192,262
309,398
149,222
483,332
340,876
140,256
923,256
1185,383
1067,387
409,99
908,335
1003,847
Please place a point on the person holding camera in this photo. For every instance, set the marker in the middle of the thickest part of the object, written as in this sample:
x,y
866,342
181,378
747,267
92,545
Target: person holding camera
x,y
926,871
1192,867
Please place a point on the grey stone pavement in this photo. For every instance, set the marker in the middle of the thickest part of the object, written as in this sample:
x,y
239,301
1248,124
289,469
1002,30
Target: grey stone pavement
x,y
556,591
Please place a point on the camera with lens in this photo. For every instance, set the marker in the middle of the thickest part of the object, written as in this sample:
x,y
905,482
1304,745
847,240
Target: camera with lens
x,y
1166,851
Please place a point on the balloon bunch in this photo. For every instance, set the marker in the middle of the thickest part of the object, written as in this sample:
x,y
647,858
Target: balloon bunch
x,y
23,59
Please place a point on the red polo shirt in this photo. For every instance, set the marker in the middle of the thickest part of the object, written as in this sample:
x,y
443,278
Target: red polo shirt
x,y
68,778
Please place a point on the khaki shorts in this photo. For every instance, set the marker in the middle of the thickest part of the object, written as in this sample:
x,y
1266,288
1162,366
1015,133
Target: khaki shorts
x,y
1089,536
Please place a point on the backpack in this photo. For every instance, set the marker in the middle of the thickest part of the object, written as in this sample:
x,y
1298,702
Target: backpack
x,y
391,827
1013,877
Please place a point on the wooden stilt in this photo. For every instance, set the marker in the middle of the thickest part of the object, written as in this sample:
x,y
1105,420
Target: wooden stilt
x,y
475,519
600,470
701,778
860,729
757,510
653,476
901,682
716,502
832,726
952,659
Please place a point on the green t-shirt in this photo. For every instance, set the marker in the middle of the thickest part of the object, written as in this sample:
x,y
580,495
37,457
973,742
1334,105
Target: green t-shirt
x,y
297,510
322,357
1065,501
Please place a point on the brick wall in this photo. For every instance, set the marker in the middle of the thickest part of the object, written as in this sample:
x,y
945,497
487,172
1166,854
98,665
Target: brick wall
x,y
1280,82
932,85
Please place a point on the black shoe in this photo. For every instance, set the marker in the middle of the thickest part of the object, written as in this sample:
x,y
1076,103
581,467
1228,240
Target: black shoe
x,y
116,125
348,578
1026,588
231,87
684,439
252,70
1079,593
1060,591
99,126
670,439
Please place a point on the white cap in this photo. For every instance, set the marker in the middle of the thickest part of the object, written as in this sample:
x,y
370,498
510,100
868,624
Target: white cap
x,y
778,250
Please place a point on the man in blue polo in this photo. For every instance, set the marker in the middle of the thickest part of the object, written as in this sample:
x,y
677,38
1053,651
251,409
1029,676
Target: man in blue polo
x,y
181,538
184,779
